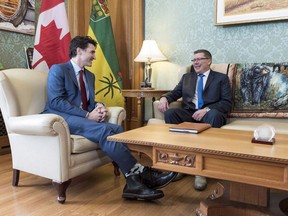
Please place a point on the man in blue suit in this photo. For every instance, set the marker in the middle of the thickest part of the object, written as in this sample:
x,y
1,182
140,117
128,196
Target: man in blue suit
x,y
211,106
86,117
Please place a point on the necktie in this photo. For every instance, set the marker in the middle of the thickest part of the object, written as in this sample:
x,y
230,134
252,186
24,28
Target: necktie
x,y
200,91
83,91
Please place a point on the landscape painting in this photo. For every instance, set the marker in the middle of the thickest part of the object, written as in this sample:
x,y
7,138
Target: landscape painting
x,y
247,11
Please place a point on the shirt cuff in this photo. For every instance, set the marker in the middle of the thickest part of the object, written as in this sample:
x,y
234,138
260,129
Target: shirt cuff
x,y
99,103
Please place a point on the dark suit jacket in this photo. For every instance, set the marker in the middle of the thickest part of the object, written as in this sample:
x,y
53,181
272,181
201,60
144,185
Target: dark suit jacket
x,y
216,95
64,96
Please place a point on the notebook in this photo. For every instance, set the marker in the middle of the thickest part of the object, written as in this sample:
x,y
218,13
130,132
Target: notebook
x,y
190,127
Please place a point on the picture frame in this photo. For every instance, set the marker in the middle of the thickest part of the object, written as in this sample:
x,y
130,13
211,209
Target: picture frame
x,y
17,16
260,90
231,12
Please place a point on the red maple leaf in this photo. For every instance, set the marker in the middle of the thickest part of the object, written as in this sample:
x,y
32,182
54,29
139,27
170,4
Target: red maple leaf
x,y
53,49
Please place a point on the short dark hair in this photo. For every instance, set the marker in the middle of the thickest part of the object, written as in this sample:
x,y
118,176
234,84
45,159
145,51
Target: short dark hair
x,y
207,54
81,42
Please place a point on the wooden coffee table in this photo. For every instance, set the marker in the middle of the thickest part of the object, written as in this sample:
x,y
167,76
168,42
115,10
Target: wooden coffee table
x,y
251,169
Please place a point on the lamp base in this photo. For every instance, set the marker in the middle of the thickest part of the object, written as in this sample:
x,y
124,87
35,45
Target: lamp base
x,y
145,85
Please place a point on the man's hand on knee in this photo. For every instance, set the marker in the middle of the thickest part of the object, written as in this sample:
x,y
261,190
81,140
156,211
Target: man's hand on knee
x,y
199,114
163,104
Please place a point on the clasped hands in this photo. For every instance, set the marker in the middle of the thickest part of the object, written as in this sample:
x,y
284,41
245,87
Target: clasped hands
x,y
99,114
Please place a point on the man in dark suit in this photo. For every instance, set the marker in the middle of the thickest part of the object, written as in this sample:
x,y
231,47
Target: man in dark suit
x,y
86,117
209,103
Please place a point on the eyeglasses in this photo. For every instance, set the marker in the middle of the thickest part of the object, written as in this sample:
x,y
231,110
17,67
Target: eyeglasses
x,y
198,59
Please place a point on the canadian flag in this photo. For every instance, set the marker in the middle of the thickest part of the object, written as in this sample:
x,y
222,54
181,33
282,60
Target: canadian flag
x,y
52,36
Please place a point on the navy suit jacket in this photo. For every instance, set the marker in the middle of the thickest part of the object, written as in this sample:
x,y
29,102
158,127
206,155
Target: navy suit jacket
x,y
64,96
216,94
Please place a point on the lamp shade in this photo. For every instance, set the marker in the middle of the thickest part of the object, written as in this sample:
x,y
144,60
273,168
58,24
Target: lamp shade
x,y
149,52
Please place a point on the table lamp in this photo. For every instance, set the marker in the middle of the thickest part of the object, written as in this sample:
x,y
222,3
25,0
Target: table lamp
x,y
149,53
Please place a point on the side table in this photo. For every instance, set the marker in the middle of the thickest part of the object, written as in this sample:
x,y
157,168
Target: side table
x,y
139,94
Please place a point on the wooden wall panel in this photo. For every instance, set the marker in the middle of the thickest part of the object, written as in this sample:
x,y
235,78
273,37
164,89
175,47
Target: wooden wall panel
x,y
78,16
137,37
127,17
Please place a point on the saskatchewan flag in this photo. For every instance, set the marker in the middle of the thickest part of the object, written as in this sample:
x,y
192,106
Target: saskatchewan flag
x,y
108,82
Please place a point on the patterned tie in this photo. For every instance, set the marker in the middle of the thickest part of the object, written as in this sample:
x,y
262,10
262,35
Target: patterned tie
x,y
200,91
83,91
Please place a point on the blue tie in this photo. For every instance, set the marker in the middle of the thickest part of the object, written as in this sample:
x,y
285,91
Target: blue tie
x,y
200,91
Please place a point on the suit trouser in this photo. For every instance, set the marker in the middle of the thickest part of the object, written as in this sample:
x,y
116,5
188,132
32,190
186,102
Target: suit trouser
x,y
179,115
98,132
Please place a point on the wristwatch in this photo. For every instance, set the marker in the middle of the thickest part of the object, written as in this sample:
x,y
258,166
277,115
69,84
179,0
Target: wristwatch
x,y
207,109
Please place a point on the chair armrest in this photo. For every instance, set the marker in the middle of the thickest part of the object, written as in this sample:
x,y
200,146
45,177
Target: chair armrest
x,y
116,115
41,140
160,115
157,113
51,124
38,124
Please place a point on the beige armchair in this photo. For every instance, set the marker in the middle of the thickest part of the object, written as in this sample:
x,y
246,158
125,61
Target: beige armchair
x,y
41,144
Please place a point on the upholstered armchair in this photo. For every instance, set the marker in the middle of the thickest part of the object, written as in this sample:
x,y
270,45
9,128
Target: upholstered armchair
x,y
41,144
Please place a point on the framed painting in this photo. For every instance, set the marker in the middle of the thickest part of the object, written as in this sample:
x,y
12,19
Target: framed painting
x,y
260,90
17,16
230,12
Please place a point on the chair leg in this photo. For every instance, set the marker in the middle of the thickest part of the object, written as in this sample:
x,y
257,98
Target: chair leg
x,y
15,179
116,168
61,189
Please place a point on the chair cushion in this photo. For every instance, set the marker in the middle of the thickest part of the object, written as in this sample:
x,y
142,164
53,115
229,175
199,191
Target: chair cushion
x,y
80,144
153,121
250,124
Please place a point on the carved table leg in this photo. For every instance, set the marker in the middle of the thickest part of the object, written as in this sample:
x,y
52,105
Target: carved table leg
x,y
61,189
139,112
236,199
125,120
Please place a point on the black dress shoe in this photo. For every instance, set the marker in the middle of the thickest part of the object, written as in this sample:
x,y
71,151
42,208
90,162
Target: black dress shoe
x,y
179,176
135,189
156,179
